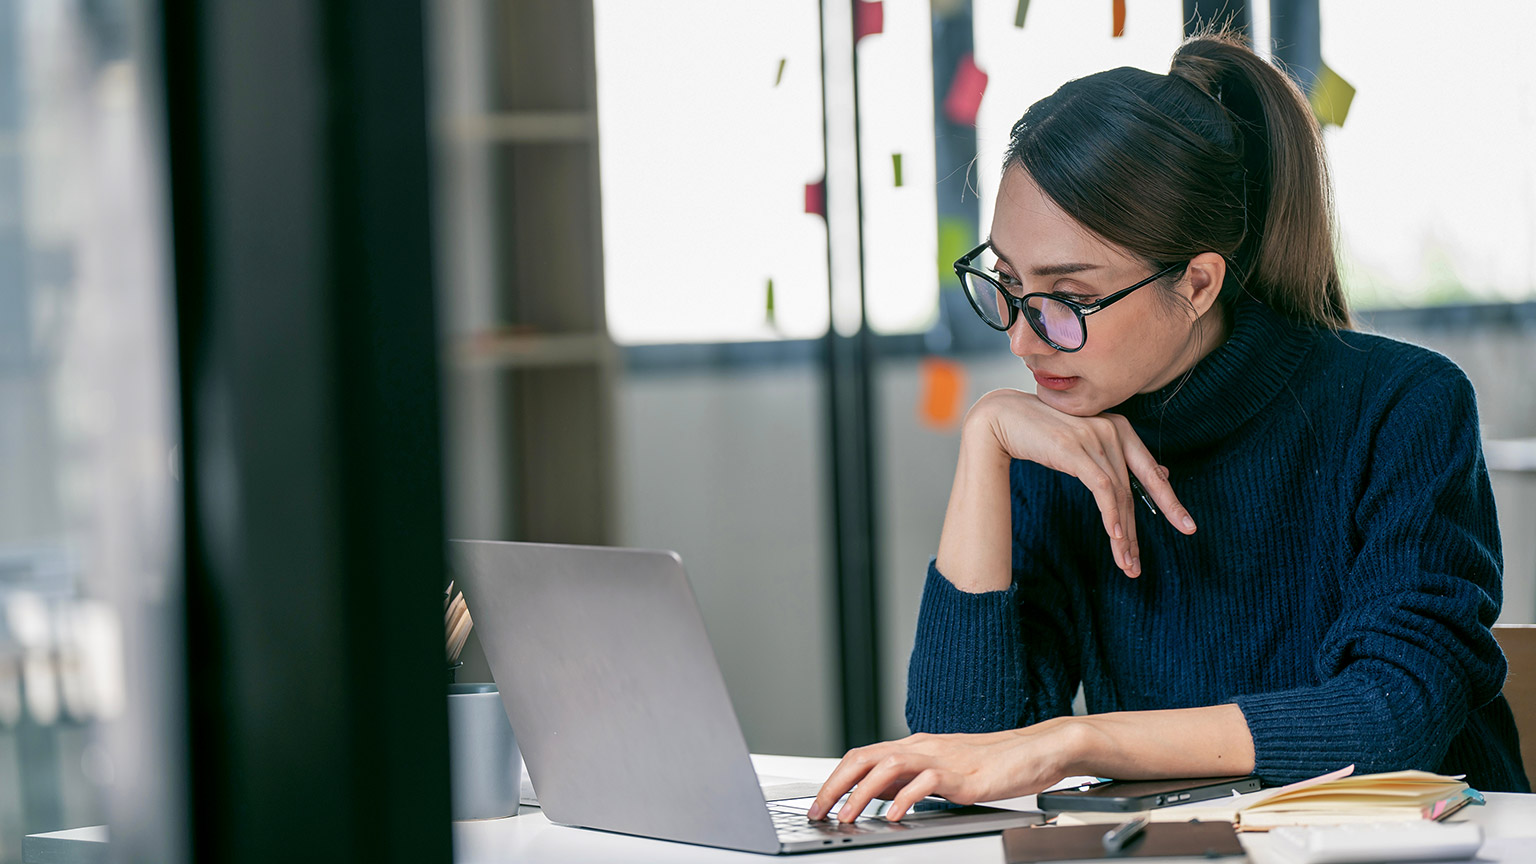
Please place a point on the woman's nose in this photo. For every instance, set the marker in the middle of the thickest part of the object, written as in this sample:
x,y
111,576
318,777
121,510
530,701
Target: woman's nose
x,y
1023,341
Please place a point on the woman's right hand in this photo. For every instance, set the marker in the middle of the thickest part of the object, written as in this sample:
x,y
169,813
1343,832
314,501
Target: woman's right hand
x,y
1102,451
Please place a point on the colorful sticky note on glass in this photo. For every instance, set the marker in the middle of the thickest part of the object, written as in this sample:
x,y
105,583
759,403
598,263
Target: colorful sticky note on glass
x,y
941,392
956,237
1119,16
966,88
1018,17
868,18
896,167
1331,97
771,321
780,76
816,198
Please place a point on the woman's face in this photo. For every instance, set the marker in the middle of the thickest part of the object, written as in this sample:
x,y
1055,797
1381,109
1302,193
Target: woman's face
x,y
1139,344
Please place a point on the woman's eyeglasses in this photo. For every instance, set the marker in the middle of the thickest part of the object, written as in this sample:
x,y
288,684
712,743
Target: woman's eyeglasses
x,y
1057,320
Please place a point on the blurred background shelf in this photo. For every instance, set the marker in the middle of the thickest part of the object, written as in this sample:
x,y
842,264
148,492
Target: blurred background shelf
x,y
524,127
523,350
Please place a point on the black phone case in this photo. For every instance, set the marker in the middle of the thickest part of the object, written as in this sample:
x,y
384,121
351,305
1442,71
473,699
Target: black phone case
x,y
1196,790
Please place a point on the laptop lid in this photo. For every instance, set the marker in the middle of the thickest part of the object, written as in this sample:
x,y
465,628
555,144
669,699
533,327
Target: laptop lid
x,y
612,687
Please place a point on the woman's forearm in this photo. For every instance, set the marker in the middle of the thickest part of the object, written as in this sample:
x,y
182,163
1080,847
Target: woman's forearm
x,y
975,546
1146,745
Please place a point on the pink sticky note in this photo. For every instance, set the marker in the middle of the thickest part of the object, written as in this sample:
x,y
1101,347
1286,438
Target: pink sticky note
x,y
965,92
868,18
816,198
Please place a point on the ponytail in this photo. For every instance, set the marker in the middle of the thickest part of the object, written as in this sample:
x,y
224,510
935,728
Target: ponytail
x,y
1290,258
1220,155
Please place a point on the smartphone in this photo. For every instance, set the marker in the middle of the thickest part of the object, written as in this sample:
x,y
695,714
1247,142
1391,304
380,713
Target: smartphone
x,y
1132,795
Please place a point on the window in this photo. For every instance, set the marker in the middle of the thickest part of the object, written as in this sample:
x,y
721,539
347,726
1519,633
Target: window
x,y
710,129
1434,174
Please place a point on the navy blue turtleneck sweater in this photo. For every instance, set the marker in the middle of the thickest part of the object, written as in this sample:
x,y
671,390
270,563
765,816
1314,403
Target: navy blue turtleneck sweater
x,y
1339,590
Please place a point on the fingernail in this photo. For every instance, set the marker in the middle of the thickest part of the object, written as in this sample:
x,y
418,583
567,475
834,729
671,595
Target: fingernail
x,y
1118,532
1189,524
814,814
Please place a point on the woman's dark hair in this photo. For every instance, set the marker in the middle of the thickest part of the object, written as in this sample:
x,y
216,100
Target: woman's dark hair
x,y
1222,155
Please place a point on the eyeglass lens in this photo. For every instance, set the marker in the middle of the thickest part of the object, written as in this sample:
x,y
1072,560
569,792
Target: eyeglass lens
x,y
1051,319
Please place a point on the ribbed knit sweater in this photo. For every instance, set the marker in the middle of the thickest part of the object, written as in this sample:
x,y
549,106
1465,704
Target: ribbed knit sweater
x,y
1339,590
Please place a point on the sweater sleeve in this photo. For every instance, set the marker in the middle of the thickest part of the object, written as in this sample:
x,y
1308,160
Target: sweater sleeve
x,y
1411,653
999,659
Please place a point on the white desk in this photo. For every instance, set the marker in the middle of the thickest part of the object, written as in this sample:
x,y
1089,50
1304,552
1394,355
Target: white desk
x,y
1508,820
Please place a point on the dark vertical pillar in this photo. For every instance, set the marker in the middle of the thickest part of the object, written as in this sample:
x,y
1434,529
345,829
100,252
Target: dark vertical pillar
x,y
847,363
1295,26
297,132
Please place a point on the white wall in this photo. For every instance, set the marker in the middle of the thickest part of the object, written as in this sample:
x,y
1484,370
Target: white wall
x,y
729,471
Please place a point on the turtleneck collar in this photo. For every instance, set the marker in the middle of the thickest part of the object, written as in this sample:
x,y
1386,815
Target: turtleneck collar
x,y
1226,388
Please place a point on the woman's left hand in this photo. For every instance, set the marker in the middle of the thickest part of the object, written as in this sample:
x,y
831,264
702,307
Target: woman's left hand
x,y
964,768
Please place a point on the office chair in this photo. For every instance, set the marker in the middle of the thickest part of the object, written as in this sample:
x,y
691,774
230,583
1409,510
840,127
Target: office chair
x,y
1519,644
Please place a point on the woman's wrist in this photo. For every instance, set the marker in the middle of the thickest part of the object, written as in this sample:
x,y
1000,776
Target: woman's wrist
x,y
1079,742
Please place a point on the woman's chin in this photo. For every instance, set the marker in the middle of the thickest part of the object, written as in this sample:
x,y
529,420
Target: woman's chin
x,y
1080,401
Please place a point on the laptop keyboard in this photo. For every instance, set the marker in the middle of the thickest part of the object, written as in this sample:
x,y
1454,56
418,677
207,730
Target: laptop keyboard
x,y
792,825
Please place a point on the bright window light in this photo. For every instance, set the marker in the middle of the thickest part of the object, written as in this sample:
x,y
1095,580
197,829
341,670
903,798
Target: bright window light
x,y
710,127
1434,172
901,287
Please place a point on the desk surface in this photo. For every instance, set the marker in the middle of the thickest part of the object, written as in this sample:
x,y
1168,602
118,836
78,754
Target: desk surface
x,y
1508,820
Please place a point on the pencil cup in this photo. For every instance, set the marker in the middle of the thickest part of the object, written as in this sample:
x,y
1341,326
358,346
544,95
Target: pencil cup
x,y
482,751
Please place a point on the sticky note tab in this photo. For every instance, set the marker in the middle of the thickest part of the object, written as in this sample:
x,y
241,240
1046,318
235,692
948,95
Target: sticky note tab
x,y
816,198
965,91
1018,17
1331,97
1119,16
956,237
868,18
896,167
941,393
772,321
780,76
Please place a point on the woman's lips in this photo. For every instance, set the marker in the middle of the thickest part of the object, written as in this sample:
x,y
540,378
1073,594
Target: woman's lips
x,y
1055,382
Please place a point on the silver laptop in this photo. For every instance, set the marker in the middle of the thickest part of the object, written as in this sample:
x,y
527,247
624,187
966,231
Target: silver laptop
x,y
623,717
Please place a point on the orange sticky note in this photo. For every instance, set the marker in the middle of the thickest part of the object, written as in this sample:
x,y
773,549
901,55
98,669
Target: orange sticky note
x,y
941,392
1119,18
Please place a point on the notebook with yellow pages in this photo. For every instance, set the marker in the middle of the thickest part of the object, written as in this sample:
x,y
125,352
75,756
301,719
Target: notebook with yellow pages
x,y
1334,798
1343,797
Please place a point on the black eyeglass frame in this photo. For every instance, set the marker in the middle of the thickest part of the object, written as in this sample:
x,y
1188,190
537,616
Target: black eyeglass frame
x,y
1017,304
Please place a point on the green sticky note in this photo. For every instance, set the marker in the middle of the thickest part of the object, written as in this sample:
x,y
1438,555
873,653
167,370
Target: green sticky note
x,y
770,300
956,237
1018,17
1331,97
780,77
896,166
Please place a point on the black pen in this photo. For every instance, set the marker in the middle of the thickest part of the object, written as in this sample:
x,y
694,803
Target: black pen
x,y
1116,837
1142,494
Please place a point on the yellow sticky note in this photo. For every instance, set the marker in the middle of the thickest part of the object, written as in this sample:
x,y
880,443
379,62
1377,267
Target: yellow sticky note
x,y
1331,97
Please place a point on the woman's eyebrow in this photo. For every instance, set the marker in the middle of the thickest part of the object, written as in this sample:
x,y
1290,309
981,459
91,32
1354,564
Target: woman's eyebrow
x,y
1047,269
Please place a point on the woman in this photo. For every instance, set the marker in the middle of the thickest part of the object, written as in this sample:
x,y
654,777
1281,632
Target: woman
x,y
1161,258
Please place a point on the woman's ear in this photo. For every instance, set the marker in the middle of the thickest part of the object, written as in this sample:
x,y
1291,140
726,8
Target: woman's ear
x,y
1203,280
